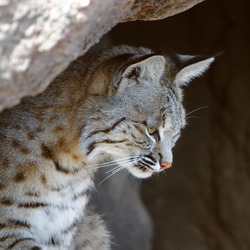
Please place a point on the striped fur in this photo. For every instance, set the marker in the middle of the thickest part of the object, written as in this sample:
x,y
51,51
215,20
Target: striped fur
x,y
124,103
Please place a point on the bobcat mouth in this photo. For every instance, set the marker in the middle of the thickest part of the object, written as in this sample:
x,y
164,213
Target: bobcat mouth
x,y
140,172
145,167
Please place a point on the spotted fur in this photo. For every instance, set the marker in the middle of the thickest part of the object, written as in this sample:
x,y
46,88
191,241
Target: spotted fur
x,y
125,103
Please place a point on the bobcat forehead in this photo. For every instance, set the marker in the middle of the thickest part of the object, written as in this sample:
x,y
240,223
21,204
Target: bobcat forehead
x,y
125,103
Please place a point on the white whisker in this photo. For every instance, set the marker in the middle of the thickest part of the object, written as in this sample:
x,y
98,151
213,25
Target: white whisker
x,y
113,173
195,117
113,169
191,112
117,167
119,161
109,163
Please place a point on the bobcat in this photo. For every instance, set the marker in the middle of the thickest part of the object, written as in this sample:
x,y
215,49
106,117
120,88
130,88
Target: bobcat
x,y
125,103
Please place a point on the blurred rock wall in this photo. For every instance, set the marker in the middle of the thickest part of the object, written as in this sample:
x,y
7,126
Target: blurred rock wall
x,y
203,202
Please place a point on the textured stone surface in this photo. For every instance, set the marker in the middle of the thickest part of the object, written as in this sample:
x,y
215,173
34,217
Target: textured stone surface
x,y
203,202
40,38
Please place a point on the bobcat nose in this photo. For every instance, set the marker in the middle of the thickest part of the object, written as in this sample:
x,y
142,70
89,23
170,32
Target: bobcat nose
x,y
165,165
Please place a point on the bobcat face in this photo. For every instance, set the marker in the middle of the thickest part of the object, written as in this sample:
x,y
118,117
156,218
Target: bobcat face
x,y
144,146
143,100
150,144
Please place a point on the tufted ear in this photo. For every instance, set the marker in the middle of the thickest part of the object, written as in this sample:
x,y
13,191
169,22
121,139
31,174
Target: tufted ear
x,y
181,69
139,68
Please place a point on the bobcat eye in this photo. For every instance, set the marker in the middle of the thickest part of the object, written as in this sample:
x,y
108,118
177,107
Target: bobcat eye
x,y
154,132
151,130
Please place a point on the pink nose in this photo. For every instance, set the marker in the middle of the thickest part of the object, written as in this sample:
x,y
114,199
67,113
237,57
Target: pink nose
x,y
165,165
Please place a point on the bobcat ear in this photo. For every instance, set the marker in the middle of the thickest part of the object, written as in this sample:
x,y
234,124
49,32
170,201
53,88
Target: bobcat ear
x,y
152,66
181,69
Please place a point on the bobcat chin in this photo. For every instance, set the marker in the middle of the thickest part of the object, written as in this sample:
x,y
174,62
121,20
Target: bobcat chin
x,y
125,103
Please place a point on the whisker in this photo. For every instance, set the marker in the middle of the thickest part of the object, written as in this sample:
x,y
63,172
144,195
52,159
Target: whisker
x,y
191,112
119,161
125,158
112,170
116,167
196,117
114,161
109,163
113,173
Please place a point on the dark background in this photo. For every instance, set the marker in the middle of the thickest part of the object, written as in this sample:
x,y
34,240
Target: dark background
x,y
203,202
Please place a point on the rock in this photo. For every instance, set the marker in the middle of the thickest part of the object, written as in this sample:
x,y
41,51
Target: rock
x,y
40,38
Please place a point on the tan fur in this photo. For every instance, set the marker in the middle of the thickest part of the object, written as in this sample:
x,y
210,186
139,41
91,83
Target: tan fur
x,y
121,103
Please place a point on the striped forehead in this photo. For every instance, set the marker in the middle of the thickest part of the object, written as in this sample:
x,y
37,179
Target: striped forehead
x,y
173,112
